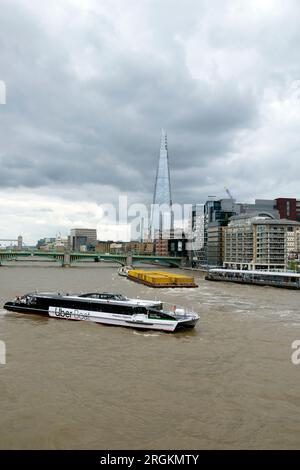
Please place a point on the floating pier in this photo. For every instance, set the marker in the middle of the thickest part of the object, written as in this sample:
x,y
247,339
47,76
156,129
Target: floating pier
x,y
160,278
288,280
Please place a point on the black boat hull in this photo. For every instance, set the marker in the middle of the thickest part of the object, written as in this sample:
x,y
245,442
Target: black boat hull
x,y
12,307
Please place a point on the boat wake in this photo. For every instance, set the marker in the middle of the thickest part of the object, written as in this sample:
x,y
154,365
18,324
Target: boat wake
x,y
146,334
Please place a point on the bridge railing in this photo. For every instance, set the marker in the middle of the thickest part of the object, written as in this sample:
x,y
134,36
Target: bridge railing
x,y
75,255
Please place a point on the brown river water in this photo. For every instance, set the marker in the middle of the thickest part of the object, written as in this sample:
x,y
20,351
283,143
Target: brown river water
x,y
229,383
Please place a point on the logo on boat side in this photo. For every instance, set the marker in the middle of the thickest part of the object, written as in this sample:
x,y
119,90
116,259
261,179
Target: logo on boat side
x,y
2,352
70,314
295,357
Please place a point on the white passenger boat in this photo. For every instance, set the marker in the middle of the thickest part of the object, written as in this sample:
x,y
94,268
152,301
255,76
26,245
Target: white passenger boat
x,y
106,308
123,270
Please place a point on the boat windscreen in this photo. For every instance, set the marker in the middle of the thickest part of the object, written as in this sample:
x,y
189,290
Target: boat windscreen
x,y
120,297
159,314
104,296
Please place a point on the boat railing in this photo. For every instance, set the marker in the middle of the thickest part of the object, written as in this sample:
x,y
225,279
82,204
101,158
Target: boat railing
x,y
178,311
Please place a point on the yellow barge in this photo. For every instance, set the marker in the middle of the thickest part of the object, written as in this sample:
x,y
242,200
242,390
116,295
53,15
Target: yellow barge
x,y
160,278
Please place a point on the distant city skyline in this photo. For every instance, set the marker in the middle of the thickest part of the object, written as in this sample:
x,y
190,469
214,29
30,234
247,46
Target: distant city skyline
x,y
84,106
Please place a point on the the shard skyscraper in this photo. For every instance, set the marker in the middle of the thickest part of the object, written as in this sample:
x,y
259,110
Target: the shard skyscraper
x,y
161,213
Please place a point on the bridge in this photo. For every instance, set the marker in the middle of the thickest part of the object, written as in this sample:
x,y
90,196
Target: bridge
x,y
18,241
66,259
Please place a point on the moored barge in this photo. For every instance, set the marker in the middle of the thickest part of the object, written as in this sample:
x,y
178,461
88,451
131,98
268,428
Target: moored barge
x,y
160,278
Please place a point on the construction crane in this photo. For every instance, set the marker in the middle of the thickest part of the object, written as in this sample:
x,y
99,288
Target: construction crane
x,y
230,197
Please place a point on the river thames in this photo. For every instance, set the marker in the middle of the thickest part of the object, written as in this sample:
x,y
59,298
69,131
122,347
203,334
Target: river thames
x,y
229,383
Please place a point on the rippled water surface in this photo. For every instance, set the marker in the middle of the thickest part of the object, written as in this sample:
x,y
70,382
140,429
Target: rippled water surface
x,y
229,383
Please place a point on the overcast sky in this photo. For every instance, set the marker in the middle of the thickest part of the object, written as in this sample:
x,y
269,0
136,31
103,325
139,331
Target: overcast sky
x,y
90,84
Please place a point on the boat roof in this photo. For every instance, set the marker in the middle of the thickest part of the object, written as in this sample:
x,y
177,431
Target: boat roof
x,y
265,273
83,297
82,294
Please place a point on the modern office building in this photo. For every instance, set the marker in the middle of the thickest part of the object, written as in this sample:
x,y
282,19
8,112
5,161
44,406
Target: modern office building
x,y
216,215
83,239
298,209
206,229
287,208
267,207
43,243
259,242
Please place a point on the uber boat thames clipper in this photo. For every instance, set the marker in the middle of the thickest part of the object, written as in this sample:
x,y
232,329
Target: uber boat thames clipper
x,y
106,308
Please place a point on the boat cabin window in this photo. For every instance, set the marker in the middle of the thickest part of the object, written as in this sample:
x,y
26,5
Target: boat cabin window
x,y
22,299
112,296
104,296
90,295
158,314
140,310
119,297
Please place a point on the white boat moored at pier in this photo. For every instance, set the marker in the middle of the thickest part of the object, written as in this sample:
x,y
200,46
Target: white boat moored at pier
x,y
286,279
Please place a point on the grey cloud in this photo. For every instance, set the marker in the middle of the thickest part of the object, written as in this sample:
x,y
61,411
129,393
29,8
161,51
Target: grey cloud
x,y
66,125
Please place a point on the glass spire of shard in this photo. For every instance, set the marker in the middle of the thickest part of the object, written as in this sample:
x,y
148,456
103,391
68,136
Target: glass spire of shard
x,y
162,190
161,218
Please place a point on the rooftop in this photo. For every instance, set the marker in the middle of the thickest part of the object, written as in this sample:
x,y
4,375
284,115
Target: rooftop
x,y
276,222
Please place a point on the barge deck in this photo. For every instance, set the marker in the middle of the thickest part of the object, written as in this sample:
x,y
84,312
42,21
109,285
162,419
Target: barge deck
x,y
160,279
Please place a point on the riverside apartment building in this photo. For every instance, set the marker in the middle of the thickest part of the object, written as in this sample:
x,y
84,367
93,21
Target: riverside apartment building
x,y
256,242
